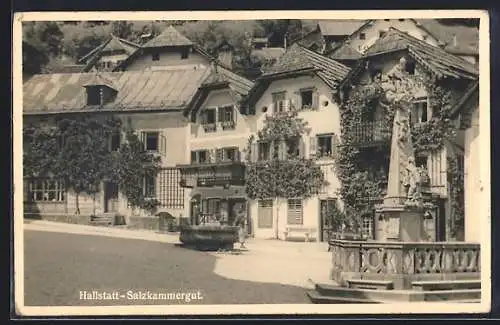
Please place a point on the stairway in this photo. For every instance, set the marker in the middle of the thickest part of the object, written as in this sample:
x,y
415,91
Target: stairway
x,y
104,219
375,291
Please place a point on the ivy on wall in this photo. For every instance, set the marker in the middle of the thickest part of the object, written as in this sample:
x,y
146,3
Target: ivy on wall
x,y
294,177
456,183
364,184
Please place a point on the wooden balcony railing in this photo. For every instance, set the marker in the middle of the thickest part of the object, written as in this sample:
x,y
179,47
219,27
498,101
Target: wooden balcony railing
x,y
367,133
403,262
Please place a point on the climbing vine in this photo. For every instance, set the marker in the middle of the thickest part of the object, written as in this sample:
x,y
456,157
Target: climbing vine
x,y
363,183
276,177
456,182
77,151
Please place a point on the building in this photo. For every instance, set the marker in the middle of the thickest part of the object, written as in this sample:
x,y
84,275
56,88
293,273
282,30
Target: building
x,y
305,81
152,102
219,129
111,53
169,50
453,73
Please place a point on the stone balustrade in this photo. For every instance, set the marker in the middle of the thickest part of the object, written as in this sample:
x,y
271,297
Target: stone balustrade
x,y
403,262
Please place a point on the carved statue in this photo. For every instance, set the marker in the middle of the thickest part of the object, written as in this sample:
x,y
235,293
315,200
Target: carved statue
x,y
412,182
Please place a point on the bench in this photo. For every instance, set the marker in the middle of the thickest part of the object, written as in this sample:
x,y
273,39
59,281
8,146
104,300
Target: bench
x,y
307,232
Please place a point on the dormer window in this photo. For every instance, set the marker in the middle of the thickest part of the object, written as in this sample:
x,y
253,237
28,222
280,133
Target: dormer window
x,y
155,56
94,95
99,94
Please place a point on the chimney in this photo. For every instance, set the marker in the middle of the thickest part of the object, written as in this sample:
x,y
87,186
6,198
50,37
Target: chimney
x,y
455,40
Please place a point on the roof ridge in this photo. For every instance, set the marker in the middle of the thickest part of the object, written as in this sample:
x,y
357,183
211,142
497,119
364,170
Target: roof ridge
x,y
96,49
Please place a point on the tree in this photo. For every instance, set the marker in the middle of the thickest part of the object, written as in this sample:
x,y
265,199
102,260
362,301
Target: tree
x,y
77,151
122,29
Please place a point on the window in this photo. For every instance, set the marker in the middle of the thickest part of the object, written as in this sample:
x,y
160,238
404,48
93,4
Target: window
x,y
401,19
410,67
367,226
325,145
265,214
47,190
293,147
199,156
155,56
228,154
279,101
419,113
184,54
150,186
306,97
421,161
381,33
226,117
94,95
294,213
264,151
362,36
152,140
115,141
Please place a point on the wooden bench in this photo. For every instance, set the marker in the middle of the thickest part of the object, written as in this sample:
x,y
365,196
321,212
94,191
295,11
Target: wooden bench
x,y
307,232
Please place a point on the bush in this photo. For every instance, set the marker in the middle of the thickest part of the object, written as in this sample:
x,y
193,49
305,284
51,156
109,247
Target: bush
x,y
167,222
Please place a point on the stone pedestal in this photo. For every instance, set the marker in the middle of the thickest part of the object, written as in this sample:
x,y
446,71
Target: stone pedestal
x,y
399,223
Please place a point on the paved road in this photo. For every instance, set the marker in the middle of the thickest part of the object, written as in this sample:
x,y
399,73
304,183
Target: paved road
x,y
58,266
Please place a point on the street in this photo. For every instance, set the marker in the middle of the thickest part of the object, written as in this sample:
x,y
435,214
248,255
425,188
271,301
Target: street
x,y
61,269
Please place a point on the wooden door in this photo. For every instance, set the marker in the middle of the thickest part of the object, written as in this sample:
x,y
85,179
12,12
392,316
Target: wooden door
x,y
110,197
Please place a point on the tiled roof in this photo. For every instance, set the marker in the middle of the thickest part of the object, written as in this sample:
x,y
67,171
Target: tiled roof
x,y
70,68
113,43
340,27
345,52
299,58
237,83
268,53
137,90
442,63
169,37
467,37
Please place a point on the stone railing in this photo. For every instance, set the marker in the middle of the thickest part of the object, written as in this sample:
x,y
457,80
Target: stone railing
x,y
403,262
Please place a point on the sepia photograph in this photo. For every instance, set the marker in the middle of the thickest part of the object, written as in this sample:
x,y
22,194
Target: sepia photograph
x,y
213,163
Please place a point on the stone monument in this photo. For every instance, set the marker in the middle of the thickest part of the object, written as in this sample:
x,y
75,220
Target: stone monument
x,y
401,215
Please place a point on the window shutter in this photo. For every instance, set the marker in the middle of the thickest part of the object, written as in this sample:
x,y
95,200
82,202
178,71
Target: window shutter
x,y
272,109
211,155
203,117
301,148
143,139
313,146
163,144
193,157
298,101
237,154
219,155
282,150
271,150
315,99
220,114
254,153
334,143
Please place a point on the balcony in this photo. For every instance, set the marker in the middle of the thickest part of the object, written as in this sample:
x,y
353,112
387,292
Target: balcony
x,y
213,173
370,134
403,262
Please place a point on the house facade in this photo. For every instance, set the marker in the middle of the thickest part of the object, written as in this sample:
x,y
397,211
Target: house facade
x,y
111,53
150,102
397,50
305,82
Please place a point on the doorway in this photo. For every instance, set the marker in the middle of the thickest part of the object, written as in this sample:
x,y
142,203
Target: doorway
x,y
110,197
326,209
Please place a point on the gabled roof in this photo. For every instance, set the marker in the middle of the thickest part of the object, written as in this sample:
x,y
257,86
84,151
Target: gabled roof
x,y
169,37
472,91
136,91
437,60
268,53
219,78
340,27
345,52
467,37
299,58
112,43
100,79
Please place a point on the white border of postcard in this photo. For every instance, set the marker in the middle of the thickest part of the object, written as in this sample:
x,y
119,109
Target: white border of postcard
x,y
293,309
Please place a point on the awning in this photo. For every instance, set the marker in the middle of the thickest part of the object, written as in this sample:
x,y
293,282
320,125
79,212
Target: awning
x,y
219,192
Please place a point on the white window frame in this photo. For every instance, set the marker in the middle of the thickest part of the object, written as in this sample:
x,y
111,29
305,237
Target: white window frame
x,y
41,186
288,217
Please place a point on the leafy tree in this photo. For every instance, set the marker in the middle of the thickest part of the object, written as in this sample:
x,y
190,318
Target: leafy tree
x,y
122,29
